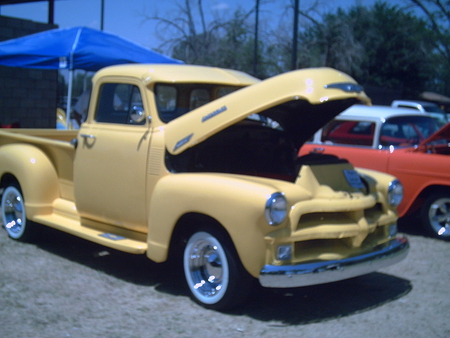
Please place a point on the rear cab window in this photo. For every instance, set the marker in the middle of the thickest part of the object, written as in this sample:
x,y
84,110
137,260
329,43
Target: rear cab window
x,y
175,100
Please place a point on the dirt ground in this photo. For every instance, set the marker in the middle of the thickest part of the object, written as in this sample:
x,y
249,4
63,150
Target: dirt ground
x,y
66,287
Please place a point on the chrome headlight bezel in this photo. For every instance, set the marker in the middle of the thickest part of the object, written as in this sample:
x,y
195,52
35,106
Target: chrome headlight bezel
x,y
276,209
395,193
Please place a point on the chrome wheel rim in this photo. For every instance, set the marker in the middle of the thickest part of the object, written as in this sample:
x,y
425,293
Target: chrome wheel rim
x,y
206,268
13,212
439,216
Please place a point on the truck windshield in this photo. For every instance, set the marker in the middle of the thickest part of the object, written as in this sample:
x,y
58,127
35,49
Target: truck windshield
x,y
175,100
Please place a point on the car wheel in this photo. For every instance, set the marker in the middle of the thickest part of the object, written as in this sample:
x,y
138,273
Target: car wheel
x,y
214,274
14,215
435,214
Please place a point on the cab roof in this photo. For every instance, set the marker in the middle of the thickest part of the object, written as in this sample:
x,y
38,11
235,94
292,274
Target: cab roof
x,y
171,73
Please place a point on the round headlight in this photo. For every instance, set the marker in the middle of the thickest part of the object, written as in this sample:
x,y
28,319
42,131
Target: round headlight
x,y
395,193
276,209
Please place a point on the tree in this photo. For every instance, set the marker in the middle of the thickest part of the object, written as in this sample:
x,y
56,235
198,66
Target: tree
x,y
181,32
381,45
281,47
222,42
331,43
398,49
437,14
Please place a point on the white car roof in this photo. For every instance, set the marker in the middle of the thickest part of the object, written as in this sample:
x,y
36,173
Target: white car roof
x,y
376,113
422,103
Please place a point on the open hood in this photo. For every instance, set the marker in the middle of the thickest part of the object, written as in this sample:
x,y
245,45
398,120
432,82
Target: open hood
x,y
303,100
441,134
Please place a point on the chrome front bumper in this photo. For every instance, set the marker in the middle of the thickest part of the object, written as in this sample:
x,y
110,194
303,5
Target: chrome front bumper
x,y
287,276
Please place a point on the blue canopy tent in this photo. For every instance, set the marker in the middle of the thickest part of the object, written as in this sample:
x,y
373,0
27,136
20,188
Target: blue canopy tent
x,y
75,48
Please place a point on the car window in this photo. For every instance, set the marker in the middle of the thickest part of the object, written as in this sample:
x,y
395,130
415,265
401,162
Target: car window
x,y
434,111
118,102
407,107
175,100
349,132
407,130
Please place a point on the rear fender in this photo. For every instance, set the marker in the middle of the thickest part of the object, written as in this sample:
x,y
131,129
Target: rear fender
x,y
35,173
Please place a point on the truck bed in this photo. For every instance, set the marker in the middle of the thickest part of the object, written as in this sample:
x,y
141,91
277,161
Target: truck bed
x,y
40,136
55,144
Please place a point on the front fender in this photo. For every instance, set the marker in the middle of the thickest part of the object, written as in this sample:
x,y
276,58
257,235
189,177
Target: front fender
x,y
36,175
237,204
382,183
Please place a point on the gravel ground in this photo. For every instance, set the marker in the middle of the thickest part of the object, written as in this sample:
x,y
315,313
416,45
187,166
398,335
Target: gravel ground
x,y
67,287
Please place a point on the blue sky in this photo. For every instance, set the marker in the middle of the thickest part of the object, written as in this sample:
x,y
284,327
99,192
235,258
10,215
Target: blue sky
x,y
125,18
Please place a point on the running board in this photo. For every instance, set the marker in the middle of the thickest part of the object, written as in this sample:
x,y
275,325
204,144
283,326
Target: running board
x,y
73,227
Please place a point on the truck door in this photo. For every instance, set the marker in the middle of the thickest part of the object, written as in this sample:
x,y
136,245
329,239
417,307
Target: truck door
x,y
111,158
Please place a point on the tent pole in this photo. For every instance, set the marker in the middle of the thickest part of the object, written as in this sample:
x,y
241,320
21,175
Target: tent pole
x,y
71,67
69,100
51,12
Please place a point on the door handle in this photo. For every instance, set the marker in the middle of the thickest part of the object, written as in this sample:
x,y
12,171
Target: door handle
x,y
87,136
318,150
88,140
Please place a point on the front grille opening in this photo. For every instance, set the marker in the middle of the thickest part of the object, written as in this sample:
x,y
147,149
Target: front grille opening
x,y
379,235
320,218
322,250
373,214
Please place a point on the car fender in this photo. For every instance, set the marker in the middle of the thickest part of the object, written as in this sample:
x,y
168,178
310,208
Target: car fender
x,y
414,200
418,172
237,204
35,173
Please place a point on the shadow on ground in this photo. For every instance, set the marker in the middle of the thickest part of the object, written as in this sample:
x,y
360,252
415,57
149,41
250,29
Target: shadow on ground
x,y
327,301
410,225
287,306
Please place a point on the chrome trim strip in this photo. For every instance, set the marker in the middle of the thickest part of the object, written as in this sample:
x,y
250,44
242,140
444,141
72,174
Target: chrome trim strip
x,y
346,87
330,271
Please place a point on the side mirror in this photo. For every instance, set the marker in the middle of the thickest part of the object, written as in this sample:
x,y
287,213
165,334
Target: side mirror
x,y
137,115
74,143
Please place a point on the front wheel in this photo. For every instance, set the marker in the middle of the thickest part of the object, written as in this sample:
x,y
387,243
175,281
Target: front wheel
x,y
214,274
14,215
435,215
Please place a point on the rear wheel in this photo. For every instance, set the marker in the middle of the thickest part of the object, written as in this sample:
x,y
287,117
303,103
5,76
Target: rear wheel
x,y
435,215
214,274
14,215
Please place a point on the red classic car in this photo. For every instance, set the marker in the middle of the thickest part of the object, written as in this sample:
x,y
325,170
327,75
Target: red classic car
x,y
402,143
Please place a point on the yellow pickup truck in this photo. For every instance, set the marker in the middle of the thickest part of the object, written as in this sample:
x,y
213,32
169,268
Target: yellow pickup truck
x,y
198,166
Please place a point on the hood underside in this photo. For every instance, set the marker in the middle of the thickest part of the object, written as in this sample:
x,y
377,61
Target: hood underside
x,y
442,134
300,101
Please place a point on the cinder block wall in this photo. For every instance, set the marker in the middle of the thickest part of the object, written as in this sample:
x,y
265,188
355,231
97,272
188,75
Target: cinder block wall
x,y
27,96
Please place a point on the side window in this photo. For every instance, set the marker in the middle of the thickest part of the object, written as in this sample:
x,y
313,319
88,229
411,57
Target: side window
x,y
349,132
407,130
120,103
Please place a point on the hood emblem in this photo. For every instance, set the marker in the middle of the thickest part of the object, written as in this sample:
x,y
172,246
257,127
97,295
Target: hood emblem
x,y
347,87
214,113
